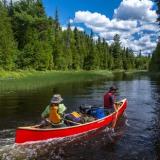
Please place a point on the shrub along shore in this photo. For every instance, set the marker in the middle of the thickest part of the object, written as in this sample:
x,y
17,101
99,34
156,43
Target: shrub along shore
x,y
27,80
24,74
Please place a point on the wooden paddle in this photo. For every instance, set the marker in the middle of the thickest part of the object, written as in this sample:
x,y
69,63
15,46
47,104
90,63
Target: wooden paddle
x,y
116,117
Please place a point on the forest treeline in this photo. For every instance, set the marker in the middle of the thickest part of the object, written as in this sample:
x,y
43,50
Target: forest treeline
x,y
29,39
154,65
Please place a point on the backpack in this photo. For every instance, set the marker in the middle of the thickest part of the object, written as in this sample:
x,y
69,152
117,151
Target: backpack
x,y
85,108
73,117
97,112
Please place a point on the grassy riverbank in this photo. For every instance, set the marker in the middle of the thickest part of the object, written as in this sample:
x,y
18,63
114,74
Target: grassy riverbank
x,y
26,80
8,75
22,74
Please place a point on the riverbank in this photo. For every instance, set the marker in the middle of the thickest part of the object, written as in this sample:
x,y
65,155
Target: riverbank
x,y
22,74
8,75
26,80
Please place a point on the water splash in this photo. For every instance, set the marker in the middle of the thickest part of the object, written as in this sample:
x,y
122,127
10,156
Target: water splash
x,y
52,149
57,149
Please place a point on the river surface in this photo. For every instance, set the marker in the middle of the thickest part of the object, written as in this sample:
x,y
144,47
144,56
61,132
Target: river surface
x,y
136,137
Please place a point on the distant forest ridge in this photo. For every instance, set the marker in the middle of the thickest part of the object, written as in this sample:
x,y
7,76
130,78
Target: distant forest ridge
x,y
31,40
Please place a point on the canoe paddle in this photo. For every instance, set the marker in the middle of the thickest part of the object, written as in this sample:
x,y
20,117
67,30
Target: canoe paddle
x,y
115,119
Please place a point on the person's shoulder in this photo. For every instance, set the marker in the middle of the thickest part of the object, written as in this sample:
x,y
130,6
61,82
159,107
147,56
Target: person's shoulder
x,y
107,93
61,105
48,106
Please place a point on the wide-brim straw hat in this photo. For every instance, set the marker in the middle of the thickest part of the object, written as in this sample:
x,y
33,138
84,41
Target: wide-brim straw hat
x,y
56,99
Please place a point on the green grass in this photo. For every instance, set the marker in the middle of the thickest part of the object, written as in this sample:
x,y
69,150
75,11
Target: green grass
x,y
26,80
29,80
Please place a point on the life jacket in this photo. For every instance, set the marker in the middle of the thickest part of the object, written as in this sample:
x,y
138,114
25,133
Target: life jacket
x,y
107,100
54,116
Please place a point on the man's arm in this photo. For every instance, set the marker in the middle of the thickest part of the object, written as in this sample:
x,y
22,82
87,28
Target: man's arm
x,y
113,103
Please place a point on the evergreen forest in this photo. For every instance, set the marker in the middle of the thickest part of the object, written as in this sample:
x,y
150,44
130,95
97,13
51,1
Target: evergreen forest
x,y
29,39
154,65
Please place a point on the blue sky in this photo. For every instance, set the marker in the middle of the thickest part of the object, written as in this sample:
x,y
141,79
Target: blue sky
x,y
67,8
133,20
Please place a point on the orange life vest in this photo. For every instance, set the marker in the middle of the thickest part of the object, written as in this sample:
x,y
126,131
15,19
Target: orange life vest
x,y
54,117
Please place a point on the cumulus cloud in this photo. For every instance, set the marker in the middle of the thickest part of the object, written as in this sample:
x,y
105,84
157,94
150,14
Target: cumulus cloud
x,y
93,19
136,9
143,44
99,22
132,17
72,28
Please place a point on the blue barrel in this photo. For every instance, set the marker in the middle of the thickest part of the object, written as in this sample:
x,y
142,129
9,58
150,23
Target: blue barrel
x,y
97,112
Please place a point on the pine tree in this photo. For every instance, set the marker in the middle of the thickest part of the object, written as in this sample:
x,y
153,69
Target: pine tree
x,y
124,59
116,52
58,52
31,27
8,50
76,51
67,49
155,60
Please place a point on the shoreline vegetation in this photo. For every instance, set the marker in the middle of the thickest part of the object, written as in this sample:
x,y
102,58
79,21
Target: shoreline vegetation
x,y
27,80
24,74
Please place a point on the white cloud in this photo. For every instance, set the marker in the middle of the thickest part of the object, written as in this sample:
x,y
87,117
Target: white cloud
x,y
132,17
72,28
145,44
93,19
148,27
99,22
105,27
136,9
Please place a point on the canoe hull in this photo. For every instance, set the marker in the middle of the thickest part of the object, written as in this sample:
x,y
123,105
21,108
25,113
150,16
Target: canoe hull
x,y
30,134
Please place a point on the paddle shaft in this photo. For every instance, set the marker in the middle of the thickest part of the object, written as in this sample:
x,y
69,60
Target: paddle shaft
x,y
115,119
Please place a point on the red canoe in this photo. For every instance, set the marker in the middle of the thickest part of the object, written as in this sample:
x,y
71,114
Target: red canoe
x,y
31,134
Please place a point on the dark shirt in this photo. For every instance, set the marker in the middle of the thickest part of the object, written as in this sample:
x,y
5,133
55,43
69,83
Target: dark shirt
x,y
109,99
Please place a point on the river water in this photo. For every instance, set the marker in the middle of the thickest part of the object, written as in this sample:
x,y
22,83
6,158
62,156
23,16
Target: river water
x,y
137,136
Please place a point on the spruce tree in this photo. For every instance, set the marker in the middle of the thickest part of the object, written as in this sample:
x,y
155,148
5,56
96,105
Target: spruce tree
x,y
8,50
76,51
116,52
32,28
155,60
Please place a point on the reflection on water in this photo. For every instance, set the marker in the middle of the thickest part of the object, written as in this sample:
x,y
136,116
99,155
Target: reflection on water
x,y
139,140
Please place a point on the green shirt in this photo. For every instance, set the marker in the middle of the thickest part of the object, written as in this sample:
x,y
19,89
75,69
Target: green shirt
x,y
61,109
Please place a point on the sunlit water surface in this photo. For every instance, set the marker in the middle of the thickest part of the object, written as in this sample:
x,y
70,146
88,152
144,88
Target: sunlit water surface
x,y
137,137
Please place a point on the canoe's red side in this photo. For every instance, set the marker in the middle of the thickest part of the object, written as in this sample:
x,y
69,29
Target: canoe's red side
x,y
26,134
